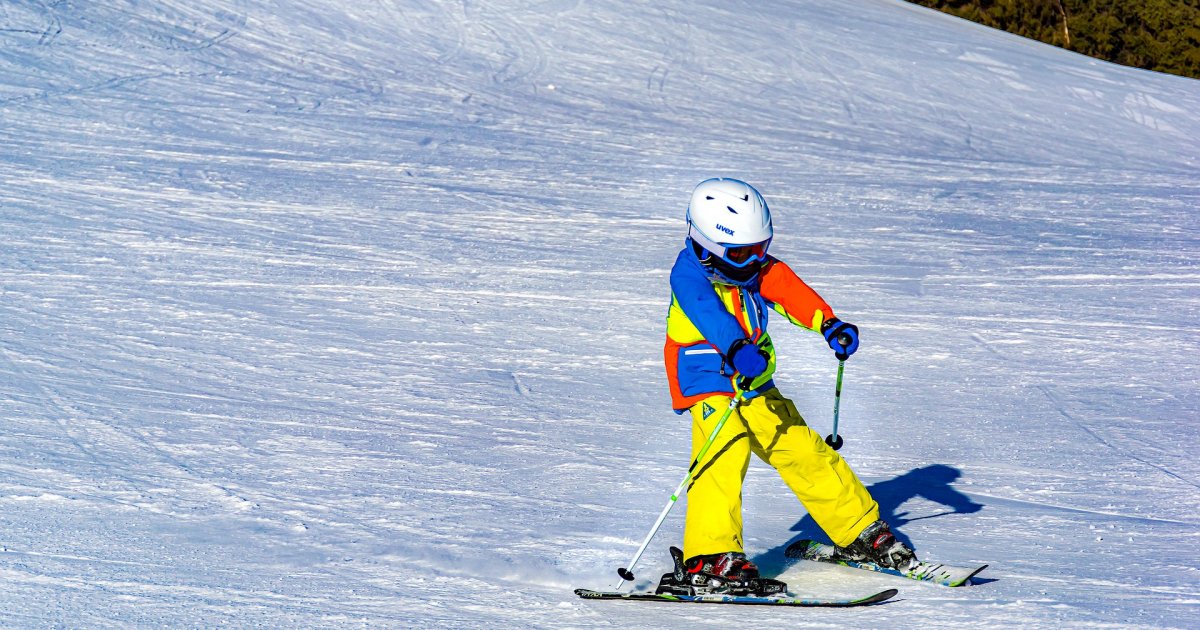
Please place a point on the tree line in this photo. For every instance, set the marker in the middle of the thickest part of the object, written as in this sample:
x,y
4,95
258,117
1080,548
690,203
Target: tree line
x,y
1160,35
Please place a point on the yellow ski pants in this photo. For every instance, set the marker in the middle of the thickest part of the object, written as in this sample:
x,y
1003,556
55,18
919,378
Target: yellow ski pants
x,y
770,427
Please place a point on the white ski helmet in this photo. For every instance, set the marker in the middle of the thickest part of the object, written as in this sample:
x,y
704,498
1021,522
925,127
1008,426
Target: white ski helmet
x,y
730,219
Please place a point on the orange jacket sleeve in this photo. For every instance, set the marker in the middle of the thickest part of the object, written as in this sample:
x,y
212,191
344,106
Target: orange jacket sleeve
x,y
792,298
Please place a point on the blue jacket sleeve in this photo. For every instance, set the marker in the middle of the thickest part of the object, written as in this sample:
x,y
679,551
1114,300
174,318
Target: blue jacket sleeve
x,y
695,294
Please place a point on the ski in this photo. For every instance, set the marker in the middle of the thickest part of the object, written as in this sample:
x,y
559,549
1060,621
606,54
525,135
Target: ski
x,y
715,598
933,573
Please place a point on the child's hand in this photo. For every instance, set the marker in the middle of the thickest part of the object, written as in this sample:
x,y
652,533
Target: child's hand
x,y
748,359
841,336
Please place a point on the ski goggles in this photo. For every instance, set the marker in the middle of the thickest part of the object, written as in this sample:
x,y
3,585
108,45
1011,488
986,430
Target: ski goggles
x,y
742,255
737,255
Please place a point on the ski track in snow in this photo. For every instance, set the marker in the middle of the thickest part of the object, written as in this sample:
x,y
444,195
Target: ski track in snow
x,y
322,314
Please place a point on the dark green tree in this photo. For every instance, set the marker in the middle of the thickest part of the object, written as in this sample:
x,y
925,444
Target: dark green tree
x,y
1161,35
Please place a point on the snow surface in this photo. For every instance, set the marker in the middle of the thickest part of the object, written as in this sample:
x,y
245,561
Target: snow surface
x,y
321,314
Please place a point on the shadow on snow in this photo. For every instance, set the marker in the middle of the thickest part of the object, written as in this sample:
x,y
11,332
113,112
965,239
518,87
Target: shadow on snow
x,y
934,483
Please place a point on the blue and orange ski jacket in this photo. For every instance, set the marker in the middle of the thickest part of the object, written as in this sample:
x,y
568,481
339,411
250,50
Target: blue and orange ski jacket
x,y
707,316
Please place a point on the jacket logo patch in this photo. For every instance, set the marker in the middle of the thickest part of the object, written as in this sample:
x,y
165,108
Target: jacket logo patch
x,y
707,411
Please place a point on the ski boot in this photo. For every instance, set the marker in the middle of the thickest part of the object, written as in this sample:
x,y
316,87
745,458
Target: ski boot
x,y
728,573
878,544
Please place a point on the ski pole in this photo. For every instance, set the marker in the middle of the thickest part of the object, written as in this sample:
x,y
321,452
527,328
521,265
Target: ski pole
x,y
627,573
833,439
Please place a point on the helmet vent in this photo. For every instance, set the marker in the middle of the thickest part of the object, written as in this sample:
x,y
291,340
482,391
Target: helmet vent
x,y
730,208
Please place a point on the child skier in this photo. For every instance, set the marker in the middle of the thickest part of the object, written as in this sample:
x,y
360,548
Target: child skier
x,y
722,285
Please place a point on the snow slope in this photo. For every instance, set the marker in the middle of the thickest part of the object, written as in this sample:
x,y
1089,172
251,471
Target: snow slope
x,y
321,314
